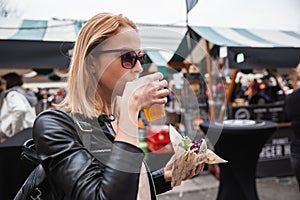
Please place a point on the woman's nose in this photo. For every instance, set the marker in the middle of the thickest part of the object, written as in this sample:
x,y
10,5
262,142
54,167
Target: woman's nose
x,y
138,67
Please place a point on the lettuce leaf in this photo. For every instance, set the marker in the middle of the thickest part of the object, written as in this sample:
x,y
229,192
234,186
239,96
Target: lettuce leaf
x,y
186,143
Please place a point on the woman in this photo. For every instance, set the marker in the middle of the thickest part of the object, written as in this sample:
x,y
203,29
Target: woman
x,y
17,105
89,148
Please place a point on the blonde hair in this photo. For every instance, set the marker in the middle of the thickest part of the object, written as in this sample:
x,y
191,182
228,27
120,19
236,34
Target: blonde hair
x,y
83,88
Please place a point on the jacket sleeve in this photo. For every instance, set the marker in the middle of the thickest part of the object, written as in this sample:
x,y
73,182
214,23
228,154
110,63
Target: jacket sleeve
x,y
72,169
160,184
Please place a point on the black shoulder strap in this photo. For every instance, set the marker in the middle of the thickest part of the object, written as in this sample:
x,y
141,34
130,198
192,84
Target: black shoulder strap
x,y
28,153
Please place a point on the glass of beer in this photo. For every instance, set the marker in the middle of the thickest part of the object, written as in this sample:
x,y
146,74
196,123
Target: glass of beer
x,y
155,112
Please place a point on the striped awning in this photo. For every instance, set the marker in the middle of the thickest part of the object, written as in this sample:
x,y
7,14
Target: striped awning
x,y
37,43
49,43
39,30
237,37
156,57
258,48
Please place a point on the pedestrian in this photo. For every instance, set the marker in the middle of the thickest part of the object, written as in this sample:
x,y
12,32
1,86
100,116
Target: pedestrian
x,y
270,91
2,89
87,150
292,108
17,105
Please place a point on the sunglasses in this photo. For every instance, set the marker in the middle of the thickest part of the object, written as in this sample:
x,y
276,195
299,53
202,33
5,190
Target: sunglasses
x,y
128,57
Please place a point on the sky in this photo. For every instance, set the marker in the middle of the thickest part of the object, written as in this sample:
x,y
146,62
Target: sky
x,y
260,14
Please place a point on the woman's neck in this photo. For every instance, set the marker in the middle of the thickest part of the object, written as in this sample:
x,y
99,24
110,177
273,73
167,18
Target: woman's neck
x,y
110,104
107,109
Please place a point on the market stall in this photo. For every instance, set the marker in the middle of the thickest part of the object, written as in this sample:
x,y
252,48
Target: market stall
x,y
222,53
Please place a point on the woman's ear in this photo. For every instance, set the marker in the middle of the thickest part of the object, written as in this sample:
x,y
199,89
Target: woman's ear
x,y
93,69
92,64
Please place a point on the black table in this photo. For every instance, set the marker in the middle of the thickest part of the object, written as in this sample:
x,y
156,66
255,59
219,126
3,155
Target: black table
x,y
13,171
240,145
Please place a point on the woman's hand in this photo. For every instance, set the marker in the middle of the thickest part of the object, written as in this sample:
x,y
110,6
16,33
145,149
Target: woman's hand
x,y
145,91
168,170
138,94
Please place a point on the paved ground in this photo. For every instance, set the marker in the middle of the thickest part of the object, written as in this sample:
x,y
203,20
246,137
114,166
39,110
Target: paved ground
x,y
205,187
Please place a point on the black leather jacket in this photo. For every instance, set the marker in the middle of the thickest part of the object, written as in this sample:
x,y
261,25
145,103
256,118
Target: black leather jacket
x,y
292,109
82,161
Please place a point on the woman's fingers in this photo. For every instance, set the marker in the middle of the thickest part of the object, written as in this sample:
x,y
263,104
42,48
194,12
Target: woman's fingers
x,y
147,91
168,175
149,84
192,173
196,171
162,93
162,84
160,101
200,168
155,92
153,77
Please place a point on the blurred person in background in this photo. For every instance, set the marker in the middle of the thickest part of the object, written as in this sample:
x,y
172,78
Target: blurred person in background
x,y
2,88
292,108
269,91
17,106
239,90
2,85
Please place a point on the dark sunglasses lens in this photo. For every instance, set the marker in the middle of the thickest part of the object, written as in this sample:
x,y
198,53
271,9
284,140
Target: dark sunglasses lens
x,y
129,59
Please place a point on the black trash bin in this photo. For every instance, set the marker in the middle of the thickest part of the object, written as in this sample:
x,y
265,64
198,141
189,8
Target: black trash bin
x,y
13,171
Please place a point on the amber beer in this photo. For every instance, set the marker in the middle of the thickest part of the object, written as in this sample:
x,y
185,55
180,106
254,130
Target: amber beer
x,y
155,112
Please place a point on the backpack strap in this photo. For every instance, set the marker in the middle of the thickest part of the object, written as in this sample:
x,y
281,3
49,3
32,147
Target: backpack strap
x,y
36,186
28,153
